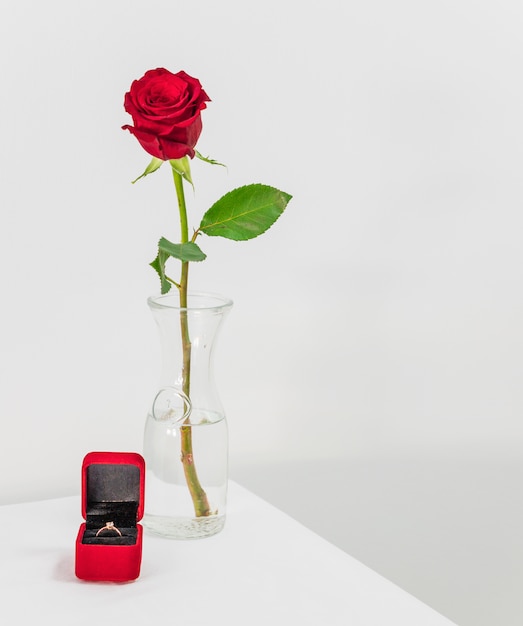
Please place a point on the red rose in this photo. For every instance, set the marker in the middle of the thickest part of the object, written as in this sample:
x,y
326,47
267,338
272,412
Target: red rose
x,y
165,108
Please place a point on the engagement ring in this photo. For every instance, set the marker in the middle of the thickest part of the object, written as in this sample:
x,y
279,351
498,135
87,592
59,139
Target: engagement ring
x,y
109,526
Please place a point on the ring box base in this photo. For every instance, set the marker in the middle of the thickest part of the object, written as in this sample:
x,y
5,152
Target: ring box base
x,y
112,491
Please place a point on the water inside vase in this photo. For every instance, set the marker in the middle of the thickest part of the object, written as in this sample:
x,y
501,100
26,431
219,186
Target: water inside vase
x,y
169,509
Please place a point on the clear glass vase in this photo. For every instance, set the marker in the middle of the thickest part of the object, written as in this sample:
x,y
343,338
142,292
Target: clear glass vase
x,y
186,439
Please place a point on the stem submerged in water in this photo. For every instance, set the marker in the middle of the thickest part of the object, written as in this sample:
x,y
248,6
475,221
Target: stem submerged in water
x,y
198,495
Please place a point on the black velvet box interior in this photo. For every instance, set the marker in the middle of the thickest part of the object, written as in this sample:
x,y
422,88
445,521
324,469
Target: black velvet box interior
x,y
112,495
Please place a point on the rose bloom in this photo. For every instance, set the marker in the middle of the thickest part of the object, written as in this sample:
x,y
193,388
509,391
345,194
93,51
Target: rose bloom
x,y
166,109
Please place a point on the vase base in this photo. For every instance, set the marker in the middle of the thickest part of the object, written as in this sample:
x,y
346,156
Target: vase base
x,y
183,527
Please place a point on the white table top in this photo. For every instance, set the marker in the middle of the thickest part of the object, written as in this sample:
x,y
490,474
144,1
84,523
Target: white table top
x,y
263,568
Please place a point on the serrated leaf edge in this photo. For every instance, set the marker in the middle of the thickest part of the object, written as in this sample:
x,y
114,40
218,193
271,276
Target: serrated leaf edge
x,y
216,225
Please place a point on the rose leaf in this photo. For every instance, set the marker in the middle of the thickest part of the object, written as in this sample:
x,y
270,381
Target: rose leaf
x,y
159,265
245,212
183,251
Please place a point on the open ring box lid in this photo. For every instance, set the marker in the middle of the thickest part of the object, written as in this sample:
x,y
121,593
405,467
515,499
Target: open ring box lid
x,y
113,486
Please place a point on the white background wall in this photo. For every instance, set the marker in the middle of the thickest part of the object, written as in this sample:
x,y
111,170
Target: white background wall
x,y
381,316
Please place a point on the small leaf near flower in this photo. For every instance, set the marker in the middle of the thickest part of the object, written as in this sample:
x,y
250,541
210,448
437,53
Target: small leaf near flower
x,y
207,159
245,212
154,165
183,167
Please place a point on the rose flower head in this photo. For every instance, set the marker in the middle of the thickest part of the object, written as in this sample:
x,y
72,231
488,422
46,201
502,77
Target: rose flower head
x,y
166,111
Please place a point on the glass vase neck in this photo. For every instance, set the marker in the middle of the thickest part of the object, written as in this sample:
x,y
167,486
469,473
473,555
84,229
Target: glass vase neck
x,y
196,301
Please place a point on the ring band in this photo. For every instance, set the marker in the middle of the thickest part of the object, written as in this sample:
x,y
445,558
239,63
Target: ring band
x,y
109,526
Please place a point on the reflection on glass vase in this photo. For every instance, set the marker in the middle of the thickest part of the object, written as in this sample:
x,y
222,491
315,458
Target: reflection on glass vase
x,y
186,439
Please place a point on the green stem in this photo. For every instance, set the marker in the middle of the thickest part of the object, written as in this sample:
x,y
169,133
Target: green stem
x,y
198,495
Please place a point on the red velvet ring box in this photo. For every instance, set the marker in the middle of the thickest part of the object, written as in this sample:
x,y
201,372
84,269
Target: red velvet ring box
x,y
113,486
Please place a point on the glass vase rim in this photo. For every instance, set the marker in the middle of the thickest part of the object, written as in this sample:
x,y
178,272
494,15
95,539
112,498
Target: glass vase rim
x,y
171,301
